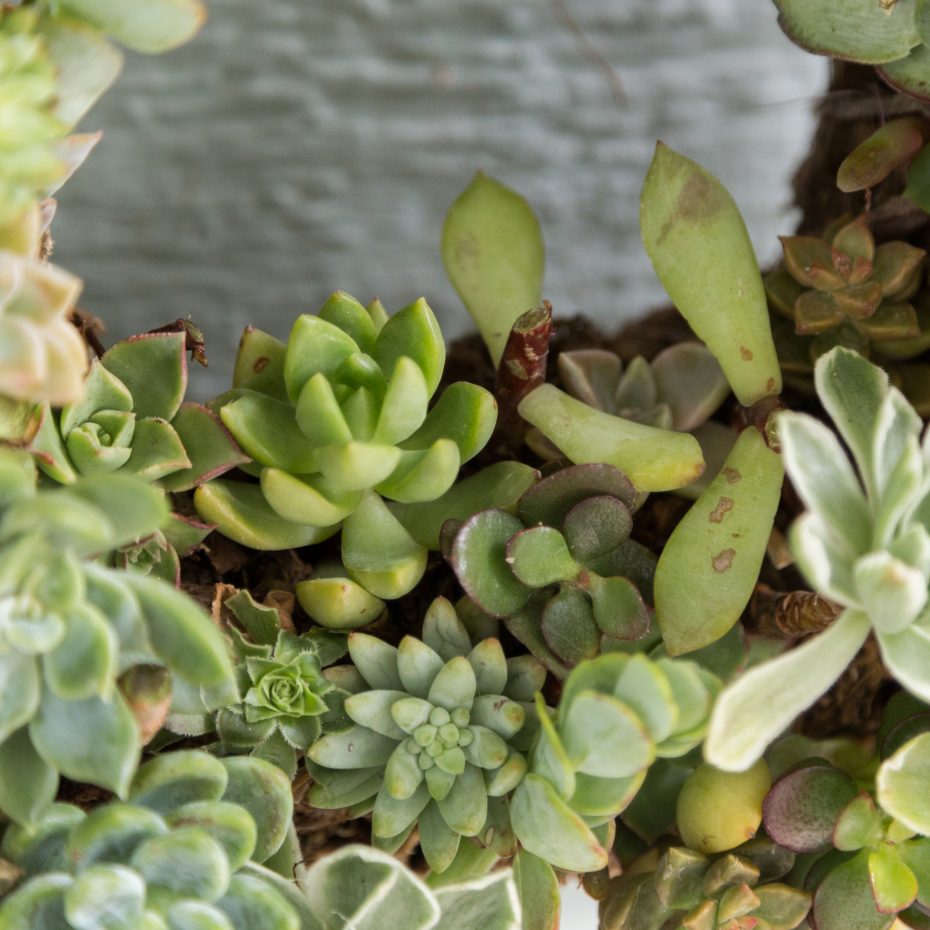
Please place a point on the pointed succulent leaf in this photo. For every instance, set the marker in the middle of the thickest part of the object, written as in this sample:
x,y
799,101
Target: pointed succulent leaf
x,y
154,369
444,632
493,252
319,415
20,690
753,710
267,431
260,364
91,740
719,546
489,663
344,311
654,459
465,807
373,709
391,816
890,147
464,413
700,249
454,686
896,266
859,824
314,345
893,883
538,888
241,512
404,406
376,660
618,607
423,475
209,447
417,666
412,332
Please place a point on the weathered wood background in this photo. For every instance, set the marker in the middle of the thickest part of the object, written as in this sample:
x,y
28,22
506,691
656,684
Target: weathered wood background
x,y
299,146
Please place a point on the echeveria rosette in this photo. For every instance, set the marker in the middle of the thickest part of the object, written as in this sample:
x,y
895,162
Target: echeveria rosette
x,y
70,627
284,697
864,543
338,419
133,420
185,850
563,572
440,728
685,890
617,715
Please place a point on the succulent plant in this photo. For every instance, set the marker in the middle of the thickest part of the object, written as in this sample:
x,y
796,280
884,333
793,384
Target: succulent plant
x,y
183,851
337,420
69,627
889,34
42,356
286,698
439,732
360,887
685,890
844,290
872,867
563,572
132,420
864,544
617,714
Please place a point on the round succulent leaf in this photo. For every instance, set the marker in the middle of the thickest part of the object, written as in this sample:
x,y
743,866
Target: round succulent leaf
x,y
240,512
502,780
479,559
569,628
890,592
105,897
803,806
781,906
454,686
646,688
195,915
498,713
858,825
596,526
599,800
90,740
338,603
157,450
539,556
525,676
692,695
901,783
548,828
690,380
549,501
103,445
374,709
465,807
19,691
422,476
28,784
844,901
111,834
486,750
253,901
84,662
605,737
894,885
38,903
489,663
618,608
464,413
229,824
902,731
185,863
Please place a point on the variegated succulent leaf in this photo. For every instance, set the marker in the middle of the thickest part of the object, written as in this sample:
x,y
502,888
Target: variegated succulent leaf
x,y
435,736
864,543
70,627
563,571
617,714
184,850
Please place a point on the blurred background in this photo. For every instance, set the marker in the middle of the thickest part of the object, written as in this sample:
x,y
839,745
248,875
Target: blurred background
x,y
298,147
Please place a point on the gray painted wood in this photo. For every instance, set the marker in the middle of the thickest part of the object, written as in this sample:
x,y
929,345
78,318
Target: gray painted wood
x,y
296,147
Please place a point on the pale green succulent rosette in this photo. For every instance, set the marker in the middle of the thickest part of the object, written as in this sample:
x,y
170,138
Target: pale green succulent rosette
x,y
183,852
617,715
337,420
439,733
70,627
864,543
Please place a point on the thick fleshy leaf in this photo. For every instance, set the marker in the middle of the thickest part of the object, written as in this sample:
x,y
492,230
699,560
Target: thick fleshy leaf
x,y
654,459
412,332
210,448
19,691
490,666
465,808
27,782
709,567
538,889
38,904
549,829
464,413
355,748
91,740
906,655
314,345
417,665
376,660
901,784
84,662
105,897
372,709
844,900
423,476
454,686
391,816
267,430
251,902
891,593
152,27
490,902
755,708
539,556
701,251
859,825
153,366
185,863
307,499
893,883
260,364
438,840
493,253
444,632
891,146
338,603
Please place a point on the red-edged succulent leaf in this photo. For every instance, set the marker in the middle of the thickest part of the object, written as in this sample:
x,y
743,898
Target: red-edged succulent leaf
x,y
844,901
802,807
154,368
897,268
209,446
854,240
809,261
550,500
569,628
888,148
894,885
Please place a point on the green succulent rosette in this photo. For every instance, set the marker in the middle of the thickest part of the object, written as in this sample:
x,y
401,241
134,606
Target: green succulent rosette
x,y
71,627
439,735
337,420
617,715
685,890
132,420
183,852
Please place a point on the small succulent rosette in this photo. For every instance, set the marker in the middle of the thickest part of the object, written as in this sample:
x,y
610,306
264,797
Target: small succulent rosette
x,y
337,420
685,890
864,543
617,714
133,420
438,740
563,572
867,851
185,850
72,629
